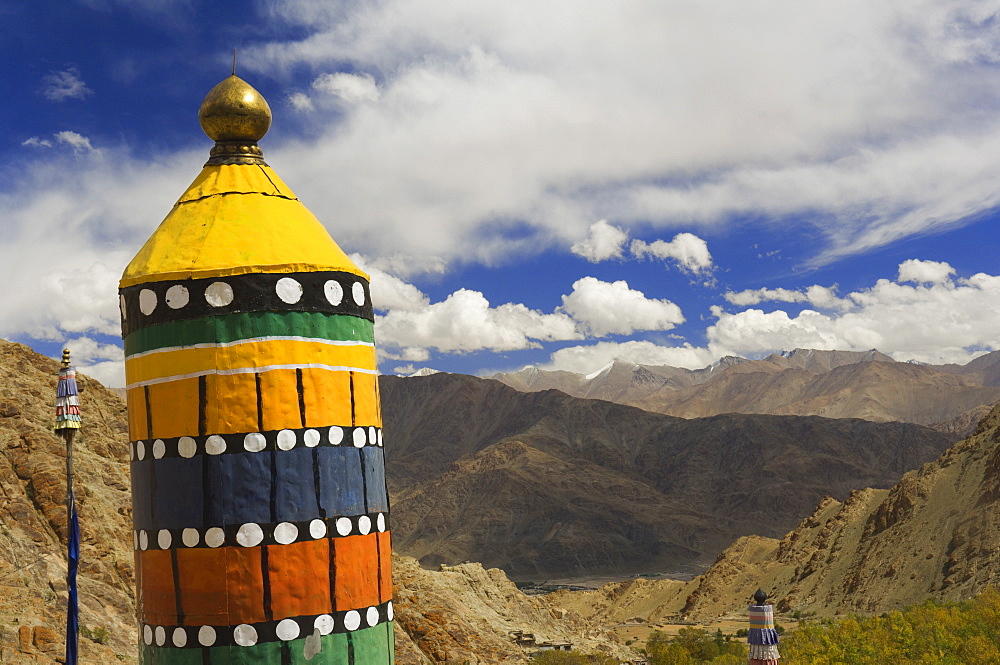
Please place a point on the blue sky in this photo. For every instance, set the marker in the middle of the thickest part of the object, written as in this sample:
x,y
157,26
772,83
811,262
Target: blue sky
x,y
557,184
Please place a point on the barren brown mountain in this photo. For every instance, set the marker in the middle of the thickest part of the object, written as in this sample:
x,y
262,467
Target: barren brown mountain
x,y
467,614
932,535
547,484
834,384
460,614
484,464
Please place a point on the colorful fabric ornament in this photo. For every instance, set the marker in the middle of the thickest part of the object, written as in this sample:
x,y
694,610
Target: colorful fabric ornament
x,y
67,400
762,638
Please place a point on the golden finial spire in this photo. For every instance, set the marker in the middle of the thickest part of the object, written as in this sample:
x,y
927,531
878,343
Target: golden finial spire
x,y
235,116
65,358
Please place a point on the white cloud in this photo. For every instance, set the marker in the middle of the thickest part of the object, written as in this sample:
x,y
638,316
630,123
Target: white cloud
x,y
497,130
71,292
604,242
925,272
69,228
687,249
66,84
858,202
933,321
109,372
874,117
586,359
388,291
300,102
86,350
755,296
465,321
104,362
818,296
413,354
37,142
351,88
612,308
753,331
402,265
78,142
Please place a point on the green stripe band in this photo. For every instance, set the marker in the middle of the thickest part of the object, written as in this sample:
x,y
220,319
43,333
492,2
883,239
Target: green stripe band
x,y
370,646
249,325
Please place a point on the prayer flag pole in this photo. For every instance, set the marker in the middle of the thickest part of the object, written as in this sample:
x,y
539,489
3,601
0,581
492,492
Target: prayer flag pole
x,y
67,422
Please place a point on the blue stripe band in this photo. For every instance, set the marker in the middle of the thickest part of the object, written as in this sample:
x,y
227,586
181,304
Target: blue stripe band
x,y
265,487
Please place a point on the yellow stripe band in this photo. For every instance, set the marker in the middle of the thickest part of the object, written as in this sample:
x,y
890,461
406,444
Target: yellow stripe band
x,y
247,357
275,338
249,370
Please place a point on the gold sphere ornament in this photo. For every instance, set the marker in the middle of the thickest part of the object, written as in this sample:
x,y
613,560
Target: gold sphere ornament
x,y
234,111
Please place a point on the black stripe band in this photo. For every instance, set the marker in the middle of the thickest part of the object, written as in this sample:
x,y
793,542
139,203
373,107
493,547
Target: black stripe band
x,y
255,442
253,534
332,292
284,630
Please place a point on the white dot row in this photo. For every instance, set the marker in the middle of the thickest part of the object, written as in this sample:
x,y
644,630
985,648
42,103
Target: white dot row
x,y
247,635
220,294
252,534
255,442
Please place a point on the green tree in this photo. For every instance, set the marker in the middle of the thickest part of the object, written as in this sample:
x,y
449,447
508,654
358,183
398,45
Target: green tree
x,y
929,633
698,643
572,658
694,645
730,659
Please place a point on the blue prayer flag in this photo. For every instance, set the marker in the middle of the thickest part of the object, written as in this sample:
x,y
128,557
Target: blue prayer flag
x,y
72,610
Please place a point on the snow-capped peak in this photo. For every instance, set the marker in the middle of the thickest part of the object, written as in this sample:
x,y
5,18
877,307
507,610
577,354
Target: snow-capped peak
x,y
603,370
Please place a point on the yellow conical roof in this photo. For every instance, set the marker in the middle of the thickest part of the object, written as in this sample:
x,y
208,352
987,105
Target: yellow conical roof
x,y
233,220
237,217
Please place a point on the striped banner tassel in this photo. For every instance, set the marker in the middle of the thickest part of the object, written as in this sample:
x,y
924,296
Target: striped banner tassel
x,y
73,609
763,638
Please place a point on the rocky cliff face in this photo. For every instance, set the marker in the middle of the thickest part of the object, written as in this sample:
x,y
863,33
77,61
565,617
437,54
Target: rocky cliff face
x,y
544,484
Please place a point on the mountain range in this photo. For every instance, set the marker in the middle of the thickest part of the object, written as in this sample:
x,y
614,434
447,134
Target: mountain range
x,y
834,384
543,483
934,534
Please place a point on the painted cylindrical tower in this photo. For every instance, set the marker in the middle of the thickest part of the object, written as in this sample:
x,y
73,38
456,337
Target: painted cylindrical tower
x,y
762,637
259,501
